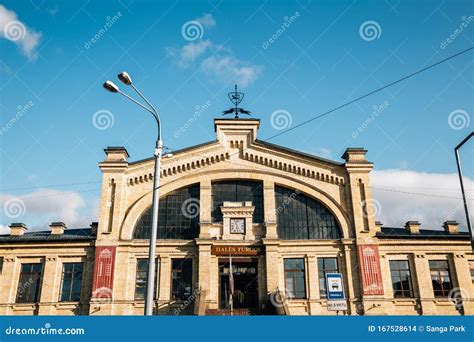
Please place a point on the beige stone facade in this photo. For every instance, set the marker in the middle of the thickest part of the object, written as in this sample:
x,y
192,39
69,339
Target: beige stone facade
x,y
236,154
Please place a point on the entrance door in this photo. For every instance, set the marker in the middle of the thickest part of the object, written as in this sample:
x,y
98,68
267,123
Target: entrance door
x,y
245,284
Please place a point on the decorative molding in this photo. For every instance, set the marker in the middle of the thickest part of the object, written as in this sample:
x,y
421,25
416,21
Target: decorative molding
x,y
293,168
187,166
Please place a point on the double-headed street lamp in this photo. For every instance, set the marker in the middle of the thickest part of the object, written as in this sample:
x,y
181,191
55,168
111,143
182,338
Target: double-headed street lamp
x,y
466,207
150,283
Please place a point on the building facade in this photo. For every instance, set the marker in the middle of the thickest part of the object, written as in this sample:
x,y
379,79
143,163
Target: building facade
x,y
282,218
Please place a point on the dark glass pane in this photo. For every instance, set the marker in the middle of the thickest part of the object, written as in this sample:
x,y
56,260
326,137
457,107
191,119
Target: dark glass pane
x,y
182,278
29,283
71,286
237,191
141,277
178,216
301,217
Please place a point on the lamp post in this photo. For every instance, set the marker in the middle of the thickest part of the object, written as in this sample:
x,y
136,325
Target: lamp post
x,y
466,207
150,284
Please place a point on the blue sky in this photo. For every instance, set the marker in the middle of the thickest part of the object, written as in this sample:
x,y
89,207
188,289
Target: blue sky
x,y
293,59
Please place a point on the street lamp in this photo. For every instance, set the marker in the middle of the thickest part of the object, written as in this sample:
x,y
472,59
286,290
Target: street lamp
x,y
466,209
150,284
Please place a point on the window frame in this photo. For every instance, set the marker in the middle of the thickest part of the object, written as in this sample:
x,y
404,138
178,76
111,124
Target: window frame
x,y
39,281
191,276
157,272
302,217
295,271
61,290
444,291
322,272
405,293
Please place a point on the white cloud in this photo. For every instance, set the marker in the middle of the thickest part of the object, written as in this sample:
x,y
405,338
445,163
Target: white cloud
x,y
16,31
229,68
398,207
43,206
207,20
215,60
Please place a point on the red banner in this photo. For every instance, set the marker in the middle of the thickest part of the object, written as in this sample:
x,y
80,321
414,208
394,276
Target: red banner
x,y
103,283
369,262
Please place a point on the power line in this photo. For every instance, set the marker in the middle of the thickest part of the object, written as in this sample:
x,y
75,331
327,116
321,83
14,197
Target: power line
x,y
49,186
371,93
420,194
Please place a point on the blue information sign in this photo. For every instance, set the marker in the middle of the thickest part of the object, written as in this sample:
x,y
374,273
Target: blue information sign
x,y
334,286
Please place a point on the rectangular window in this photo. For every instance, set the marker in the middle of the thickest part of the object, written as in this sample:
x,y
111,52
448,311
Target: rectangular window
x,y
71,284
295,280
401,279
440,278
325,265
1,265
140,282
182,278
29,283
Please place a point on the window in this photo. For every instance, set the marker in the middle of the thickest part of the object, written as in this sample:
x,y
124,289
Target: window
x,y
178,216
440,278
71,282
182,277
471,270
1,265
301,217
237,191
295,278
325,265
29,283
401,279
140,282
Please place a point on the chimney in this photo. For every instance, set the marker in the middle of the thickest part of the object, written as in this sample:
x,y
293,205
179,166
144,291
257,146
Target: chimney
x,y
355,155
451,227
94,227
17,229
57,228
413,227
116,154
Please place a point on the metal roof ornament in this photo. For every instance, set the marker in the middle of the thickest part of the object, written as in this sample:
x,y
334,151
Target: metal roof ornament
x,y
236,97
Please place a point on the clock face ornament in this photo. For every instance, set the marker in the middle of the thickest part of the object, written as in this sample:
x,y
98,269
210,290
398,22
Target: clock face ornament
x,y
237,226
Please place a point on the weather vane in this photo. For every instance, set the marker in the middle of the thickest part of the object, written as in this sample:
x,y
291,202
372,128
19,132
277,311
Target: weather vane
x,y
236,97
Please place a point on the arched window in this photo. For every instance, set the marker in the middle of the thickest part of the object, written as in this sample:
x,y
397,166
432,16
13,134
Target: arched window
x,y
237,191
301,217
178,216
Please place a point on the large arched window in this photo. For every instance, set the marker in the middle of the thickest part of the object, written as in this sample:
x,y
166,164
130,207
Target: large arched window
x,y
178,216
301,217
237,191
